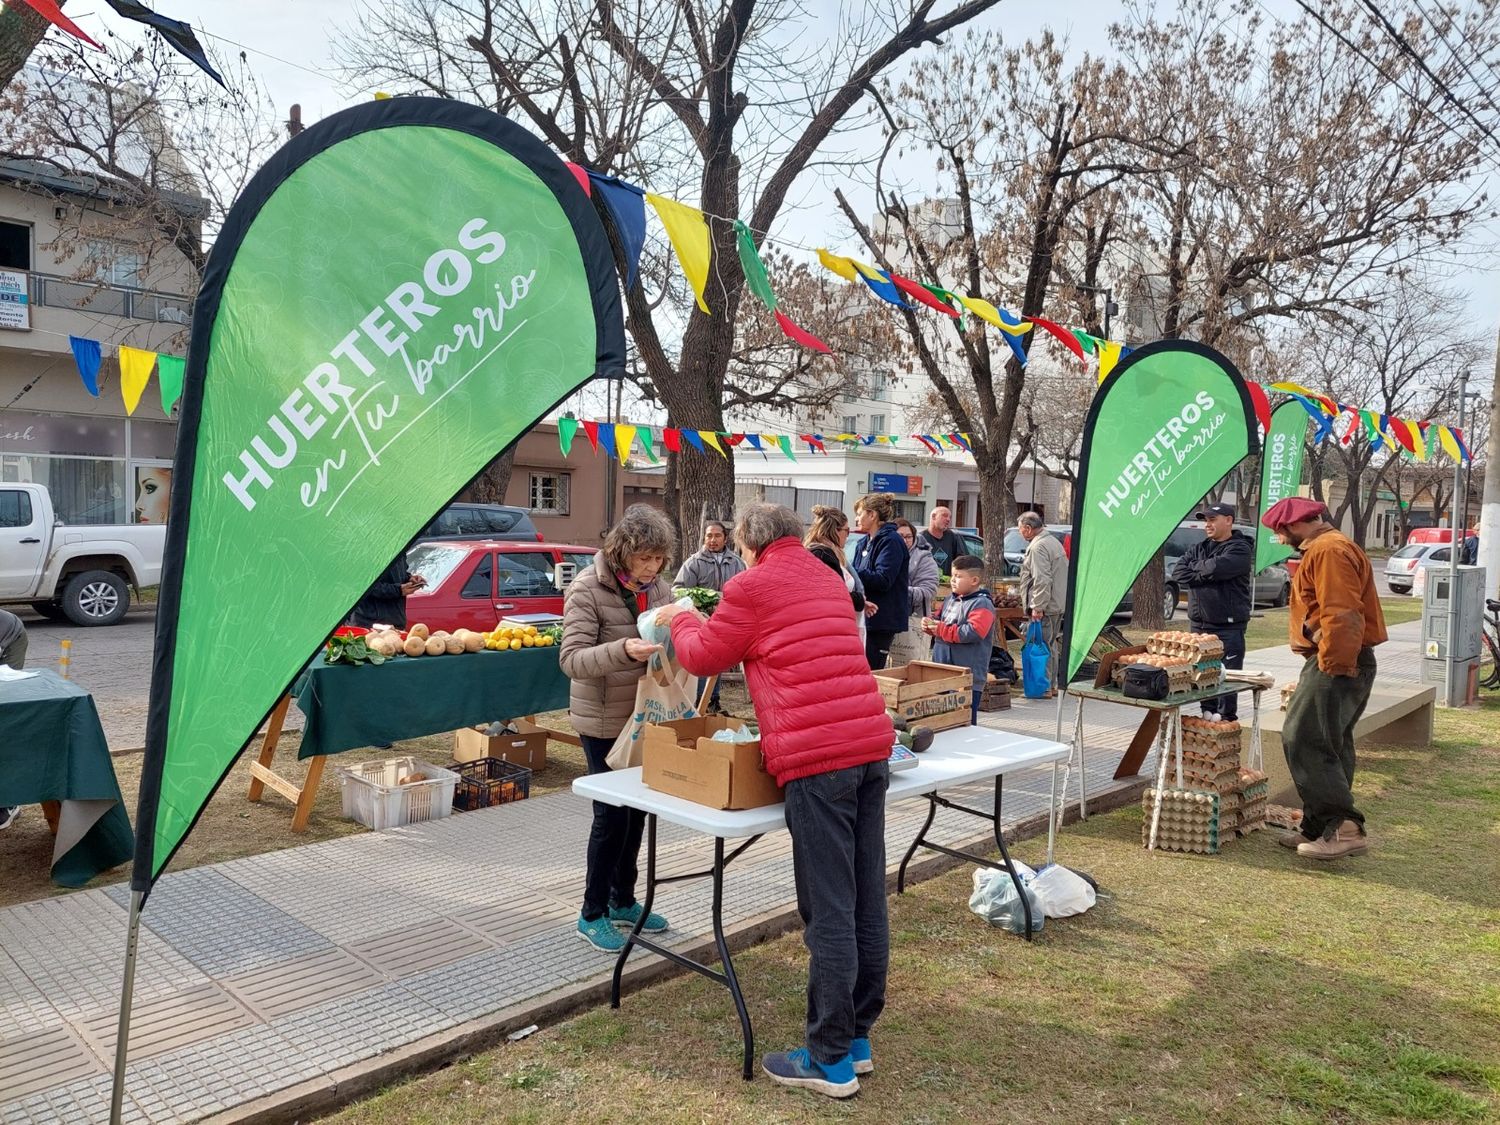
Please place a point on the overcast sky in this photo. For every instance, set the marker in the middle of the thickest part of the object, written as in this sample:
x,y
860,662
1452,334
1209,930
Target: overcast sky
x,y
289,43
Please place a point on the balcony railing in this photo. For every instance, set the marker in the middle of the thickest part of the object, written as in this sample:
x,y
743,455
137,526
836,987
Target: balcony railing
x,y
101,297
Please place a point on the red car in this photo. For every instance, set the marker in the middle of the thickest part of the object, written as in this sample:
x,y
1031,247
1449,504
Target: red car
x,y
473,584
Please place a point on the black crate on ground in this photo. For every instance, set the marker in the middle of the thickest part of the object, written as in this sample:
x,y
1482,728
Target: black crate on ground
x,y
489,781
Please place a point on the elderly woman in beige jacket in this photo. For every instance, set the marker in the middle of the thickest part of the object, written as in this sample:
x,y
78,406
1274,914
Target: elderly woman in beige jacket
x,y
605,657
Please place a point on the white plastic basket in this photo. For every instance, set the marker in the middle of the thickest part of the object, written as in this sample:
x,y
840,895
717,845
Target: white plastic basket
x,y
373,797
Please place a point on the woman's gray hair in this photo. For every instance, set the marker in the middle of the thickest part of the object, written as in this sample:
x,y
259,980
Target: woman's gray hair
x,y
1031,520
760,525
642,530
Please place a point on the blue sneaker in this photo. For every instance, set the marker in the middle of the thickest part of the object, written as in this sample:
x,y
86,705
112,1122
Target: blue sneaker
x,y
601,934
859,1052
626,917
797,1068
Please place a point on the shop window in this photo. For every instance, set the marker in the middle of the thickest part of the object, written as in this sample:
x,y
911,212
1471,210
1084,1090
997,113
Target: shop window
x,y
83,490
15,246
548,493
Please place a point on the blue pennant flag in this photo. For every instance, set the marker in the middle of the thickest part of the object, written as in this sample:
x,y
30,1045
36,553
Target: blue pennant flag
x,y
626,205
86,355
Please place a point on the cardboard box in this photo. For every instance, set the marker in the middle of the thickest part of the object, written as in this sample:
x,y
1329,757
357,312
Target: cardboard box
x,y
903,687
681,758
528,748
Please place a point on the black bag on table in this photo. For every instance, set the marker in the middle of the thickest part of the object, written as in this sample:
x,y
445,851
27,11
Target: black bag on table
x,y
1145,681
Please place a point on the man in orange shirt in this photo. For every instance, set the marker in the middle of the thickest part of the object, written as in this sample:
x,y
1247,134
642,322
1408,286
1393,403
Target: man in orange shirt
x,y
1335,625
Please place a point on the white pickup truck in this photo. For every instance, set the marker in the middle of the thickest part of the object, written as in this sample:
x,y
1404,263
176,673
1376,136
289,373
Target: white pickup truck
x,y
82,572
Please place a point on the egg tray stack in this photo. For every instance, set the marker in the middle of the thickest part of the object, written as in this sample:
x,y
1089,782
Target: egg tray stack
x,y
1189,821
1286,694
1203,651
1254,793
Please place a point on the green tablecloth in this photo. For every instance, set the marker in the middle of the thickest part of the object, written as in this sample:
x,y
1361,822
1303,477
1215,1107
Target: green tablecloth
x,y
408,697
52,749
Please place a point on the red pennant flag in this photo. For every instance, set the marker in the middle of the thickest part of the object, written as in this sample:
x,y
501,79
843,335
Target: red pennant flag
x,y
591,431
931,448
53,14
814,442
671,437
921,293
800,335
1069,340
582,177
1262,405
1402,429
732,439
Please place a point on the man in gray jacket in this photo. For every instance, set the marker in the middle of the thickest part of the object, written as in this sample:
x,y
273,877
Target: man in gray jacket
x,y
709,569
1044,576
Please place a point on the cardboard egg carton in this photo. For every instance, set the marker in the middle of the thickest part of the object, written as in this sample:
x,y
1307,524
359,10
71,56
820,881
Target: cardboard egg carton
x,y
1189,821
1254,785
1286,694
1208,674
1187,647
1221,783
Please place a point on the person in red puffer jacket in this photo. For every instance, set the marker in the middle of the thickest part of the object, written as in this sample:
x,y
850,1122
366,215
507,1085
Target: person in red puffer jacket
x,y
827,740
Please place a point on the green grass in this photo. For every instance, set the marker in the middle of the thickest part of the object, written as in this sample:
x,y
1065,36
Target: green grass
x,y
1248,987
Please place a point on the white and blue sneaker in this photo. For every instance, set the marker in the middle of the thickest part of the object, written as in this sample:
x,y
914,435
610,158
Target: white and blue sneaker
x,y
798,1068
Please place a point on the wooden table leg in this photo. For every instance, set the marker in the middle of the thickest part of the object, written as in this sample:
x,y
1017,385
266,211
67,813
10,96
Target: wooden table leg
x,y
268,748
1145,735
309,794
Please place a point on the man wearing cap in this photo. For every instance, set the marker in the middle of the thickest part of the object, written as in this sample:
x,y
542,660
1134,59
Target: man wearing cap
x,y
1335,625
1216,572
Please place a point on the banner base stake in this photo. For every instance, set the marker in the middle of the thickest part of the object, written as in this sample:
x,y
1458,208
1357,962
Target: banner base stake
x,y
127,990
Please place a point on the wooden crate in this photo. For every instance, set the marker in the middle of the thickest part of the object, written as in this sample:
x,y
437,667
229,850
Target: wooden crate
x,y
946,720
919,680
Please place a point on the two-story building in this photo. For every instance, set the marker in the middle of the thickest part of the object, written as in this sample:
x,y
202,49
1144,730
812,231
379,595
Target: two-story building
x,y
76,260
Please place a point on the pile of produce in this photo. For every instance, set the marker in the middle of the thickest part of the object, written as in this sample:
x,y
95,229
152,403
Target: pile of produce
x,y
704,600
516,637
345,648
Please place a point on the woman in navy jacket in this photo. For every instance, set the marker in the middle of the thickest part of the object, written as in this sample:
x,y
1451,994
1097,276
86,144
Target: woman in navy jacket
x,y
881,562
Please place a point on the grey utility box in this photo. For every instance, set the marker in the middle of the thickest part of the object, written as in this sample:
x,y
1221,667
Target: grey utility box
x,y
1469,589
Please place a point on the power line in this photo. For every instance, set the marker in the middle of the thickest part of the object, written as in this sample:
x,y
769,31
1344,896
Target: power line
x,y
1464,38
1442,87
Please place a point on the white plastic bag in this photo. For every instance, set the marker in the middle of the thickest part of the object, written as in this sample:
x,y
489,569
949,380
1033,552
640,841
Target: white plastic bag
x,y
1062,892
646,626
745,733
995,900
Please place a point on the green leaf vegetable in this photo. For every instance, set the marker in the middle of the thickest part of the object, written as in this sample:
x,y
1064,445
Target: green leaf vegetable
x,y
351,650
704,600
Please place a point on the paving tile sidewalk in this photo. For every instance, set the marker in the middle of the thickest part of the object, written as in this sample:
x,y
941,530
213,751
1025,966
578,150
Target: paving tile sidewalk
x,y
264,973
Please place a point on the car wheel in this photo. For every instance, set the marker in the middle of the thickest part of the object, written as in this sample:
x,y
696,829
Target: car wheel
x,y
1283,595
52,611
95,597
1169,603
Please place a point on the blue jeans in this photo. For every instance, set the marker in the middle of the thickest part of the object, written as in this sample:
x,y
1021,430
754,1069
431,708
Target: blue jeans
x,y
614,844
837,822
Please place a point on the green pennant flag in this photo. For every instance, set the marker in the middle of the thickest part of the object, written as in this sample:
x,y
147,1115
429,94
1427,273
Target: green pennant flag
x,y
786,445
169,370
755,270
1085,341
644,433
567,428
1280,474
1150,453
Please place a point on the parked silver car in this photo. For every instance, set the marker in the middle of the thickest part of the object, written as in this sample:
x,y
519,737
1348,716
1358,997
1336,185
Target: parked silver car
x,y
1401,568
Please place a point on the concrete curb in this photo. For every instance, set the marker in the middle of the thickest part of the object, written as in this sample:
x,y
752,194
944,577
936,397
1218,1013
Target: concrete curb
x,y
339,1088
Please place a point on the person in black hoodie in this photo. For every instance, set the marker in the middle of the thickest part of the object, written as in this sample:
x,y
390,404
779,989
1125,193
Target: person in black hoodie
x,y
1216,573
384,603
882,563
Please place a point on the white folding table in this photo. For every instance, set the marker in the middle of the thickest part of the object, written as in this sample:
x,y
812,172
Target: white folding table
x,y
956,757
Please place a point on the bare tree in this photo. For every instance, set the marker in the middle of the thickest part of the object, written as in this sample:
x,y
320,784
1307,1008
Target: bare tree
x,y
722,105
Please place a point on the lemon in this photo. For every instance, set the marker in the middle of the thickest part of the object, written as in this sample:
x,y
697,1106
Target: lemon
x,y
528,641
515,645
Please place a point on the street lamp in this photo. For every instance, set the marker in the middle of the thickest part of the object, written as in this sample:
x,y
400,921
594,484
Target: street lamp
x,y
1110,308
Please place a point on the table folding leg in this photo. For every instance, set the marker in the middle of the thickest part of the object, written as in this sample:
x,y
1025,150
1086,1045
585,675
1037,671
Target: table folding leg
x,y
726,977
934,801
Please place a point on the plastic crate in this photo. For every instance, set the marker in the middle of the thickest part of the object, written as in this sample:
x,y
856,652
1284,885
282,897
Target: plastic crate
x,y
373,797
489,781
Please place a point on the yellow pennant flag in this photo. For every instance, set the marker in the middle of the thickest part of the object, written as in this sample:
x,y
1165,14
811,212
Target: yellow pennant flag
x,y
840,265
991,315
1109,355
624,439
135,373
688,231
712,438
1295,389
1450,446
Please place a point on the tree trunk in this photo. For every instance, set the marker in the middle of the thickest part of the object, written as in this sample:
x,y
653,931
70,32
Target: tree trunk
x,y
999,516
489,487
21,29
1149,592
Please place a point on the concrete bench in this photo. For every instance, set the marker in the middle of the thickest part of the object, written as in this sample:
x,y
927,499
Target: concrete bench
x,y
1398,715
